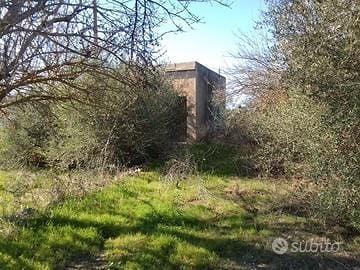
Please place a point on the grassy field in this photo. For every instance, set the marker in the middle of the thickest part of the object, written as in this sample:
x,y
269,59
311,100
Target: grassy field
x,y
214,220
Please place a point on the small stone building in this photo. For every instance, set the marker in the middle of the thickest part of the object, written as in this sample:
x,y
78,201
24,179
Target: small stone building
x,y
203,96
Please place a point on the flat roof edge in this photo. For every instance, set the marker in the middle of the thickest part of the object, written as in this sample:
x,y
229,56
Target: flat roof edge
x,y
186,66
181,66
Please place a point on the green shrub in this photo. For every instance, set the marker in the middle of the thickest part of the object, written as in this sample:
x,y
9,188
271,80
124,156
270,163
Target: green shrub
x,y
25,136
294,138
327,32
114,124
288,138
315,134
339,203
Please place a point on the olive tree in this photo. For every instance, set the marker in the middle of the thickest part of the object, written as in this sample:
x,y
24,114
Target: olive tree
x,y
309,62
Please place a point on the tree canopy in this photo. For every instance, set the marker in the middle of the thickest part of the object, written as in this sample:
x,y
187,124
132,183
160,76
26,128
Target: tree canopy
x,y
49,42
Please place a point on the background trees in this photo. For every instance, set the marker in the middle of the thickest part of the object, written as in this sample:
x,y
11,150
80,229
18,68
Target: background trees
x,y
48,43
303,86
120,125
96,62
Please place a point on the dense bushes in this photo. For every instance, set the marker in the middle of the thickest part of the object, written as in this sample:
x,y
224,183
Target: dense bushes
x,y
311,132
293,139
114,124
287,139
25,136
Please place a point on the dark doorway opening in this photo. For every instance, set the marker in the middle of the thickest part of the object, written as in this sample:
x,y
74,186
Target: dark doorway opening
x,y
180,132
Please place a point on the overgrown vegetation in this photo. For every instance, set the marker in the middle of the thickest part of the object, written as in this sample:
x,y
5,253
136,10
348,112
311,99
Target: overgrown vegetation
x,y
207,221
75,118
118,125
302,120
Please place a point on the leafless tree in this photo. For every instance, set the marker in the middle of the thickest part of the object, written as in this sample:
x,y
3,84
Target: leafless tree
x,y
50,43
258,70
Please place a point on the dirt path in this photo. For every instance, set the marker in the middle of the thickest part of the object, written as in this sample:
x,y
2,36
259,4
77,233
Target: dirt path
x,y
97,262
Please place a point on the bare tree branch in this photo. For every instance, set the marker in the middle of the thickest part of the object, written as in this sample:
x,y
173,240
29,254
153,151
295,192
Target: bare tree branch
x,y
49,41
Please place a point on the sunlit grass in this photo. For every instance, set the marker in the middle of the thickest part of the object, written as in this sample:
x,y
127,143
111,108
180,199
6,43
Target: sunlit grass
x,y
144,223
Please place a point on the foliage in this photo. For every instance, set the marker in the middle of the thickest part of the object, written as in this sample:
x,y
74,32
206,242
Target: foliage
x,y
339,202
25,135
304,106
113,125
292,139
208,158
48,44
285,139
328,31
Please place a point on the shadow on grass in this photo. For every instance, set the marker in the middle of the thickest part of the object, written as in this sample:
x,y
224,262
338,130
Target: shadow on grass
x,y
153,237
153,240
214,158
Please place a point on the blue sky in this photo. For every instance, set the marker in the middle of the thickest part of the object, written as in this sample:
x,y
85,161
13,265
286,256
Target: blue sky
x,y
211,42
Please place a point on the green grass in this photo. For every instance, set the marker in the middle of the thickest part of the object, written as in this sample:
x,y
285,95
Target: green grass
x,y
144,223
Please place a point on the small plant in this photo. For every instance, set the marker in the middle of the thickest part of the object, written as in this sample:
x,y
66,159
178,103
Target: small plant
x,y
180,168
8,229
